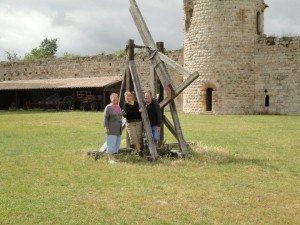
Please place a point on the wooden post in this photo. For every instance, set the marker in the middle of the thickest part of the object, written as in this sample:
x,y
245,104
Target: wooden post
x,y
129,83
152,81
179,89
148,41
140,98
122,87
160,47
130,56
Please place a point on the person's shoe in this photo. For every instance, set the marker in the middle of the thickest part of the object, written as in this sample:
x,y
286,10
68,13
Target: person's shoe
x,y
112,162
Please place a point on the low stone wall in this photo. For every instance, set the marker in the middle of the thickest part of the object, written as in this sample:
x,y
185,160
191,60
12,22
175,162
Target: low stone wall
x,y
93,66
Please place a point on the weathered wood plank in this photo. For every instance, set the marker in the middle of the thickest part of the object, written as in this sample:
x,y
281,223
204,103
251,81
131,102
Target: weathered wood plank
x,y
140,99
160,89
152,81
163,75
122,85
141,25
179,89
174,65
180,138
170,126
148,41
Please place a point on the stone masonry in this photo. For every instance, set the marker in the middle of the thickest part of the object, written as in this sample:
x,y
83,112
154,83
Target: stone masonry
x,y
94,66
241,70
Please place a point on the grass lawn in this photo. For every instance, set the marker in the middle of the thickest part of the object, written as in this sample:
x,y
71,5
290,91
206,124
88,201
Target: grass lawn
x,y
242,170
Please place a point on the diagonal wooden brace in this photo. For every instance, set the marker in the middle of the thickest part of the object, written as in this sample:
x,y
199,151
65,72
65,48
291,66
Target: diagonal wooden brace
x,y
139,96
141,25
179,89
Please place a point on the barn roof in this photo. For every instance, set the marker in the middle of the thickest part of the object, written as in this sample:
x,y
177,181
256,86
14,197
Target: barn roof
x,y
88,82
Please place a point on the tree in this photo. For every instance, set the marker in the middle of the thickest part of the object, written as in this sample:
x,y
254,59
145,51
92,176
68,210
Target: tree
x,y
47,49
12,57
49,46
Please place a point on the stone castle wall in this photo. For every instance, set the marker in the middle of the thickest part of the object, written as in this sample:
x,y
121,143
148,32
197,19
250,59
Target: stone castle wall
x,y
224,42
278,63
63,68
94,66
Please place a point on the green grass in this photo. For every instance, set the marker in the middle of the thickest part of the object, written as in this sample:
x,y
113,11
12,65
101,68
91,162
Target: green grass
x,y
241,170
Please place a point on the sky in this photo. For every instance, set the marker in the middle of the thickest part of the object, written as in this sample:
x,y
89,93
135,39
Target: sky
x,y
92,27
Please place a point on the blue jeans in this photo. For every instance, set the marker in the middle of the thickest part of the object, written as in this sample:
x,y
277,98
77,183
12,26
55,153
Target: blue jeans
x,y
113,143
155,134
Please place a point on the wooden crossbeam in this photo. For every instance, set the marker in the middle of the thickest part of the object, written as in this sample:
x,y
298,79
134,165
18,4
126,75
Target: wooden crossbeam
x,y
163,75
122,86
139,96
179,89
174,64
170,126
175,117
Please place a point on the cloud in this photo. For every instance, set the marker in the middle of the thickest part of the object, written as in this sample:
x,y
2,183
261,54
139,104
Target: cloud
x,y
282,17
91,27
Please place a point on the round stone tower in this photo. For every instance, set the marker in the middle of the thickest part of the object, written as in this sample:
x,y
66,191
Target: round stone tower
x,y
219,42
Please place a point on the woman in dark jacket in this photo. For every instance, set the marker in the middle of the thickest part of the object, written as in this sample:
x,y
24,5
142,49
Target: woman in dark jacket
x,y
132,113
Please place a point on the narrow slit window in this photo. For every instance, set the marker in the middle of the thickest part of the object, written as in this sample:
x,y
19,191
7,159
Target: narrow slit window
x,y
267,101
258,23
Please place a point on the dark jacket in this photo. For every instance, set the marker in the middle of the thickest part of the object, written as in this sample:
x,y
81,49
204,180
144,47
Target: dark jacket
x,y
154,113
131,112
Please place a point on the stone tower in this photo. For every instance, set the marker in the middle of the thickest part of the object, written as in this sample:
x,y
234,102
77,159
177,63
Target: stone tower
x,y
219,42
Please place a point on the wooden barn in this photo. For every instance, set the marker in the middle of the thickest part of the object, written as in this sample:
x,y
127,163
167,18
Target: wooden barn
x,y
90,93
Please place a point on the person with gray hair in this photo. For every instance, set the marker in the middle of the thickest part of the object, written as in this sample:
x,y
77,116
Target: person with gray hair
x,y
113,127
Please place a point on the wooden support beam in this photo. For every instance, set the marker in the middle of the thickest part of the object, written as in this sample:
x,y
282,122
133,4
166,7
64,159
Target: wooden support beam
x,y
130,56
170,126
148,41
179,89
122,86
160,89
129,83
141,25
163,74
180,138
152,81
140,99
174,65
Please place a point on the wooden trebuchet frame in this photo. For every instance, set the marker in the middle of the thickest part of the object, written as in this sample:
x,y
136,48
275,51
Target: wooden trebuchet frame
x,y
158,61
